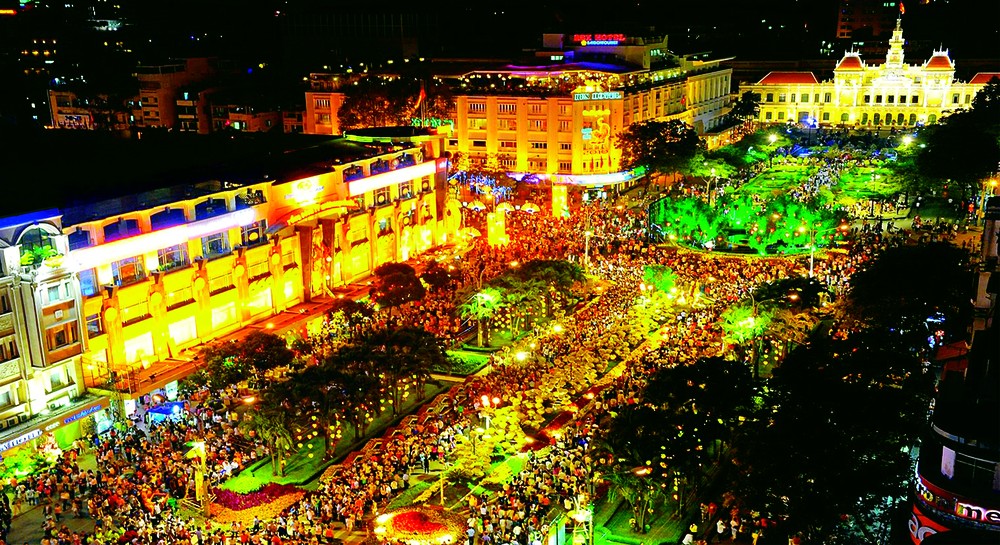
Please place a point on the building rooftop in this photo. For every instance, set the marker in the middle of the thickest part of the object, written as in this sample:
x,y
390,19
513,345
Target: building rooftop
x,y
84,173
782,78
850,62
983,78
939,61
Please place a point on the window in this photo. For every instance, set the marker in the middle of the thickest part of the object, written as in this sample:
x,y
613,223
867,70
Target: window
x,y
507,108
539,145
565,146
535,108
891,99
507,124
452,142
94,326
215,245
816,97
477,123
56,293
565,166
254,234
121,229
902,99
219,283
406,189
781,115
61,335
8,348
826,116
173,257
88,283
382,197
508,144
477,107
57,379
793,97
4,303
827,97
868,99
167,218
80,239
782,97
508,162
878,99
128,271
565,109
479,143
536,124
209,208
770,97
968,99
913,99
767,115
322,103
954,98
5,399
565,126
805,97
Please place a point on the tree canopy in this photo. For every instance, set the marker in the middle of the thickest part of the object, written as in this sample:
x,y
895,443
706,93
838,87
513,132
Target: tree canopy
x,y
662,146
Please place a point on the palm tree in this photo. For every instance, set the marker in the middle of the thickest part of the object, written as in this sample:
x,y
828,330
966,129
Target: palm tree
x,y
480,305
404,358
272,424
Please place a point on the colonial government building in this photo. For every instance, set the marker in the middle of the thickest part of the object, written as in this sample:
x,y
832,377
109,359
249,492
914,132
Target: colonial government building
x,y
887,94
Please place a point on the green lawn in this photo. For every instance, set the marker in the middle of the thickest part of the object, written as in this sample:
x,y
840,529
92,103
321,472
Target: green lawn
x,y
465,362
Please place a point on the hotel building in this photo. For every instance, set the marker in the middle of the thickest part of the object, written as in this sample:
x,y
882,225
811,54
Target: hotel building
x,y
107,298
559,114
888,94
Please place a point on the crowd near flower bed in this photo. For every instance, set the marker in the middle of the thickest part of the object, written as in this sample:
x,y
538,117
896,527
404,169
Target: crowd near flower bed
x,y
265,495
420,524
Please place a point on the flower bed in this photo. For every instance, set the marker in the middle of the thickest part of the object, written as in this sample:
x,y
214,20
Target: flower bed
x,y
225,516
421,524
265,495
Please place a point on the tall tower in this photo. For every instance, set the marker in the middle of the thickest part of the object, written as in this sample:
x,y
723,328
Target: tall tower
x,y
894,58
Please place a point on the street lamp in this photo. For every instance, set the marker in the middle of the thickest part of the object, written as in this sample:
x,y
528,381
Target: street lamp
x,y
812,240
992,183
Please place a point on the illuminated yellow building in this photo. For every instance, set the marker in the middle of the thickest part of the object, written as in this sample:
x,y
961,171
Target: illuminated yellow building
x,y
559,115
888,94
108,297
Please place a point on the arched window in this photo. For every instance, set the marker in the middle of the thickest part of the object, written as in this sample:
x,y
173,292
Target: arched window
x,y
931,118
121,229
169,217
80,239
209,208
913,119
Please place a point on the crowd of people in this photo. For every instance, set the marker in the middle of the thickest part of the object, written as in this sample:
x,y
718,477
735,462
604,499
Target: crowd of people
x,y
143,472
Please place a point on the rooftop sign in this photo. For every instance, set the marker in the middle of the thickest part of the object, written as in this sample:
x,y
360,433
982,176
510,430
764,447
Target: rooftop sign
x,y
607,95
598,39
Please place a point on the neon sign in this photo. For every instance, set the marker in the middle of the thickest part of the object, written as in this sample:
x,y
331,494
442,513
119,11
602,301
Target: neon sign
x,y
955,506
431,122
83,413
609,95
598,39
393,177
306,190
20,440
93,256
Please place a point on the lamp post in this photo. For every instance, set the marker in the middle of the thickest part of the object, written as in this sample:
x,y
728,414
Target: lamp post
x,y
992,184
812,240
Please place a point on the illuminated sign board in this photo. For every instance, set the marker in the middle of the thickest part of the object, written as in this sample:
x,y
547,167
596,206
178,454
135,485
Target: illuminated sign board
x,y
86,412
599,179
608,95
920,526
431,122
938,499
20,440
598,39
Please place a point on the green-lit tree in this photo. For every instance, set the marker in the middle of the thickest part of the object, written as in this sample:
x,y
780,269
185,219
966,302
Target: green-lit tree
x,y
659,277
479,305
272,423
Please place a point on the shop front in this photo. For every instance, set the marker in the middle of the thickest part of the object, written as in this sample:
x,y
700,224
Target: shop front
x,y
59,431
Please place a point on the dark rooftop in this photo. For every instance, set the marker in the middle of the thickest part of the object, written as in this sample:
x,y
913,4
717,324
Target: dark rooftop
x,y
73,170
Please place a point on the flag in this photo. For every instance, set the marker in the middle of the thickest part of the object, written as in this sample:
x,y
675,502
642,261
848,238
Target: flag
x,y
902,10
421,96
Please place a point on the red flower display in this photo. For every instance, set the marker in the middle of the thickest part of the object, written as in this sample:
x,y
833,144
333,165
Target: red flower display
x,y
263,496
416,522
